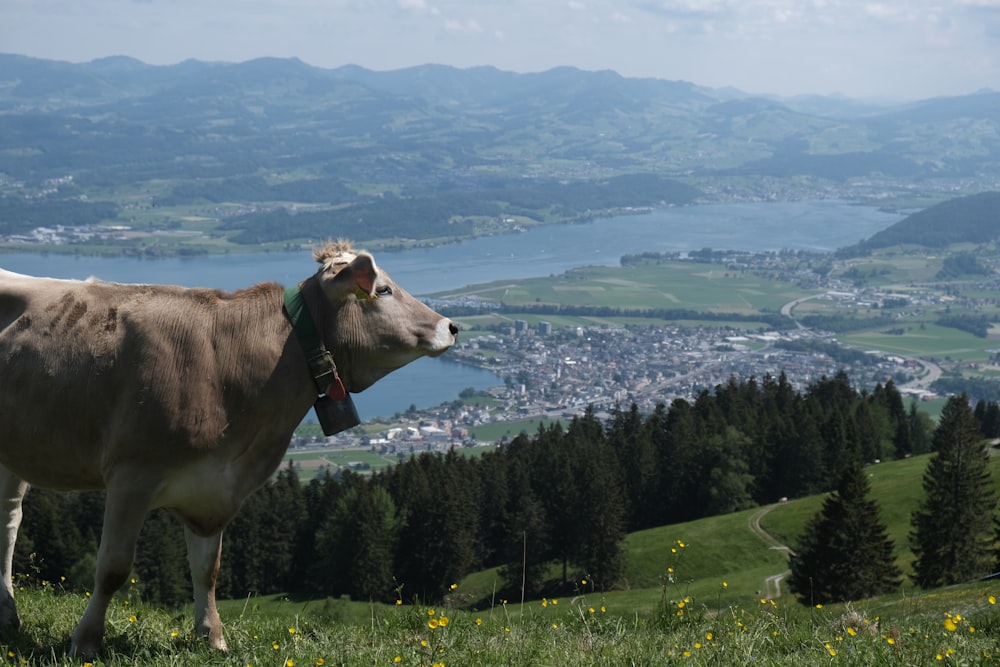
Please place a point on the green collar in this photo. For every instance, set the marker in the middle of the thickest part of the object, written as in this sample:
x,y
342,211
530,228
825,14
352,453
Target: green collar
x,y
321,365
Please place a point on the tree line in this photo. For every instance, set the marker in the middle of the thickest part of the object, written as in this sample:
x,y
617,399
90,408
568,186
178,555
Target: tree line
x,y
547,508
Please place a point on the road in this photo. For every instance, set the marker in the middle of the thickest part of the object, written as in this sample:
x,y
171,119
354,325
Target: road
x,y
787,309
931,370
772,584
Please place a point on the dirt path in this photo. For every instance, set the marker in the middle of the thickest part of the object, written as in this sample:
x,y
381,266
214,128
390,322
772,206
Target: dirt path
x,y
772,584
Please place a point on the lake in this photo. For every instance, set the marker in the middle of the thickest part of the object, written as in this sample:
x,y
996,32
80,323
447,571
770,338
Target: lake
x,y
541,251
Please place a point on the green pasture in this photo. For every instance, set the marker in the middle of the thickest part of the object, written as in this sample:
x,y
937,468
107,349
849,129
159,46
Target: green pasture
x,y
309,463
694,593
721,560
924,340
510,429
895,269
672,285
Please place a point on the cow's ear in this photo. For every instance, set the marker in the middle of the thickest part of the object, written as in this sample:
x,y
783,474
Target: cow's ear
x,y
357,278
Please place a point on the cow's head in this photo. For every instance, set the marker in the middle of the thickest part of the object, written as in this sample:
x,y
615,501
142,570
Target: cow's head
x,y
370,324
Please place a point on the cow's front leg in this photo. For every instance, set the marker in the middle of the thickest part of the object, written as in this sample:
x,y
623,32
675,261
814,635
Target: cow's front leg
x,y
203,558
12,490
124,512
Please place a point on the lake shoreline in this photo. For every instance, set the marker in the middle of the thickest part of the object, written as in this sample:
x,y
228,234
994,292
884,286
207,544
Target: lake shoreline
x,y
124,250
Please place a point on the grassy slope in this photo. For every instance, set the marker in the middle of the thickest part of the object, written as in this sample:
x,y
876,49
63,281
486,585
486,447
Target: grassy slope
x,y
707,611
717,578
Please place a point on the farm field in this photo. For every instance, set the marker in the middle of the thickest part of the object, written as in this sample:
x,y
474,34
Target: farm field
x,y
669,285
927,341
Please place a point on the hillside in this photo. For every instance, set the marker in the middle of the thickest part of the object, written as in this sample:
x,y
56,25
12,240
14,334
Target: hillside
x,y
273,150
720,565
971,219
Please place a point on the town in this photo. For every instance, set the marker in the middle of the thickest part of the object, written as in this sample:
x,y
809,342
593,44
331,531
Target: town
x,y
555,374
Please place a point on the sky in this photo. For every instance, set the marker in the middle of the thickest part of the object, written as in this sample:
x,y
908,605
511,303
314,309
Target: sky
x,y
890,50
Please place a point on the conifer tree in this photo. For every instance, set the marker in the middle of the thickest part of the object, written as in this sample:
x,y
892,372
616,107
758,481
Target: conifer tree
x,y
632,442
952,533
921,429
845,553
356,546
601,517
161,565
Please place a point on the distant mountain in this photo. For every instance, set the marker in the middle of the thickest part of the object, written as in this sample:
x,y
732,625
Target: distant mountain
x,y
281,132
600,118
971,219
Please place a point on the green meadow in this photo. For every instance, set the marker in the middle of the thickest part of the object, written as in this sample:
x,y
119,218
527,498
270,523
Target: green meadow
x,y
924,340
699,593
671,285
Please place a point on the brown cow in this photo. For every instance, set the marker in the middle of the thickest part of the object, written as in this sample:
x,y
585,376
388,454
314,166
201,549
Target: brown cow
x,y
178,398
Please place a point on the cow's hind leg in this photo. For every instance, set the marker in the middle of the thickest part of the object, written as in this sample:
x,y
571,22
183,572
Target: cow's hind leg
x,y
12,490
203,558
124,512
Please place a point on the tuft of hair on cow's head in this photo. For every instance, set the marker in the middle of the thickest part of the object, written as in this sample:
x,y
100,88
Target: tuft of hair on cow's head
x,y
334,255
345,271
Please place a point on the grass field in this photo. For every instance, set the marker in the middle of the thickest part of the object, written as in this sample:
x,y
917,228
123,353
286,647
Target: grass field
x,y
925,340
695,594
703,287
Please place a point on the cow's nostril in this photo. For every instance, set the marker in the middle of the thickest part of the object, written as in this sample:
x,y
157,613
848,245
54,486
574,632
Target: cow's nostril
x,y
453,328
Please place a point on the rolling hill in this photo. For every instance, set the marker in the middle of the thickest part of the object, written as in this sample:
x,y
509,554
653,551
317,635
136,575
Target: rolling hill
x,y
971,219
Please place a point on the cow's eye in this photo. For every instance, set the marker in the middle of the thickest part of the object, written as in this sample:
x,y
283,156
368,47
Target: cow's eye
x,y
383,290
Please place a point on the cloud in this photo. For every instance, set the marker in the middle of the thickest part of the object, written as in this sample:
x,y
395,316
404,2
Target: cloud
x,y
467,27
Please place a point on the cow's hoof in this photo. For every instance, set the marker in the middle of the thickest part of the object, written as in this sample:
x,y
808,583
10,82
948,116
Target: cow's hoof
x,y
83,648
